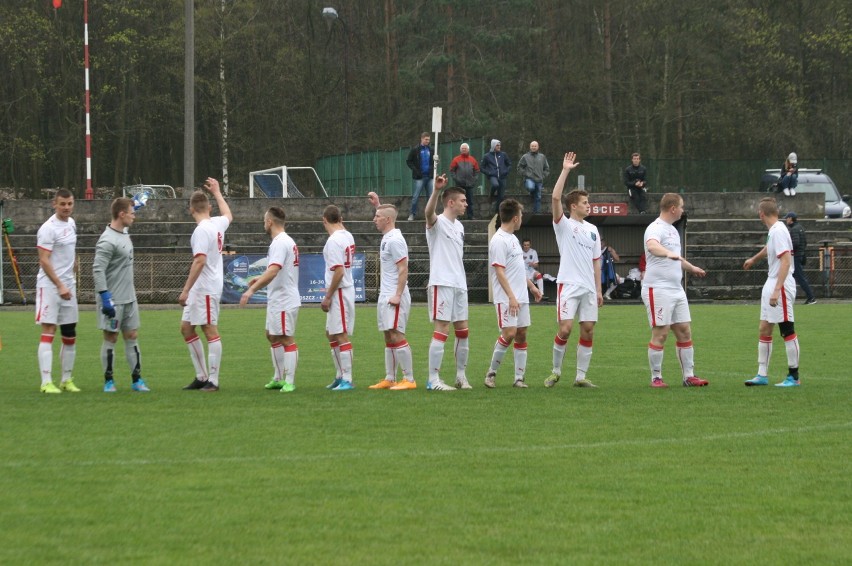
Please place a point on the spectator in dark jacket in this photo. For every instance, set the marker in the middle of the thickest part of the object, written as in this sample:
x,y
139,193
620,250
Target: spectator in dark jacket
x,y
634,180
800,249
495,166
465,171
421,160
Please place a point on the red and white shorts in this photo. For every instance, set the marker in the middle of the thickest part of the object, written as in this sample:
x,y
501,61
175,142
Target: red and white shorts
x,y
201,310
665,306
447,304
783,310
574,300
393,317
505,320
340,318
53,309
282,323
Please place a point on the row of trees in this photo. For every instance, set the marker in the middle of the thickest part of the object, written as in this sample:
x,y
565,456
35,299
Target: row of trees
x,y
728,79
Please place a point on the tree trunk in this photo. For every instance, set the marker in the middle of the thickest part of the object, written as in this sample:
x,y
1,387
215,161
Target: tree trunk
x,y
610,105
224,92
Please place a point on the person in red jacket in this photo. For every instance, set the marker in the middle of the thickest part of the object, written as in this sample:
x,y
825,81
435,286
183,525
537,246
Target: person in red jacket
x,y
465,171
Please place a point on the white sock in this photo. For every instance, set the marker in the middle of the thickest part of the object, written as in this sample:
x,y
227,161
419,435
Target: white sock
x,y
584,357
655,360
291,361
686,356
404,360
107,358
500,348
764,352
791,343
67,354
196,354
520,361
390,362
45,358
134,357
558,354
278,362
436,355
346,358
462,352
540,284
335,357
214,358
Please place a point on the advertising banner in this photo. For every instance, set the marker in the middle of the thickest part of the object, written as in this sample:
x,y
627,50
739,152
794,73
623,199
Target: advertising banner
x,y
241,270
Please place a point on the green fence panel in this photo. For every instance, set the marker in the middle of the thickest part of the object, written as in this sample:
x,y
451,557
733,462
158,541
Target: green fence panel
x,y
386,173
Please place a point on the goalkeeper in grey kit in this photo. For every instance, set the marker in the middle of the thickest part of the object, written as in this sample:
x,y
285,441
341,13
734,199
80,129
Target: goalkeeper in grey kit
x,y
116,295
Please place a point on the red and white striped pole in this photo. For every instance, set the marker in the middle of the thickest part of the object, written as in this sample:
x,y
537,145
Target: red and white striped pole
x,y
90,193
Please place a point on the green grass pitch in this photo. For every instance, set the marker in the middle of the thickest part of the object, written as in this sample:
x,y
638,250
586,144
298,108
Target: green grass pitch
x,y
621,474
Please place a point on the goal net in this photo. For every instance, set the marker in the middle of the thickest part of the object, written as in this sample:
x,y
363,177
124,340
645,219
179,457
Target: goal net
x,y
278,182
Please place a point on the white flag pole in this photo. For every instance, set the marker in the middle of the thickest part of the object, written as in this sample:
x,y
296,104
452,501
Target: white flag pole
x,y
436,127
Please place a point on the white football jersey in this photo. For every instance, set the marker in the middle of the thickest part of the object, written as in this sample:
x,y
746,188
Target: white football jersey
x,y
208,239
579,246
446,253
505,251
339,253
60,239
530,258
778,243
662,272
282,294
393,250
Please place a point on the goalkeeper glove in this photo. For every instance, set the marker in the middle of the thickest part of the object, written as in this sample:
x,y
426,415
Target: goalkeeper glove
x,y
106,304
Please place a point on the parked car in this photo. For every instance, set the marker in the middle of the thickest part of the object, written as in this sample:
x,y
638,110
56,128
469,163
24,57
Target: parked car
x,y
813,181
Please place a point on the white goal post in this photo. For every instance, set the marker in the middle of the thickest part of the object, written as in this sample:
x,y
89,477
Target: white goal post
x,y
277,183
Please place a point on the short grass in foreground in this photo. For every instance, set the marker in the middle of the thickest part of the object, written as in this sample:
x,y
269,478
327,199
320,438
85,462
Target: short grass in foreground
x,y
619,474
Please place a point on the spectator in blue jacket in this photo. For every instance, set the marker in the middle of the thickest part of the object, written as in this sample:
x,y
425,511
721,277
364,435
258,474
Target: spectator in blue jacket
x,y
495,166
421,160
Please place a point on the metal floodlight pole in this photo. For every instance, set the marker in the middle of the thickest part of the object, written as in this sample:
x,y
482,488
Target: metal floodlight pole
x,y
90,192
437,115
189,99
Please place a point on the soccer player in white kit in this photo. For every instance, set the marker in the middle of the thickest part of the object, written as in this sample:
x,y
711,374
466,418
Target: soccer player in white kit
x,y
282,300
578,283
56,293
117,307
663,295
394,304
777,298
509,285
447,290
203,288
531,263
339,300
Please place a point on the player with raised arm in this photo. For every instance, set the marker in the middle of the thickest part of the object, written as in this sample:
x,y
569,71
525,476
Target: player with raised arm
x,y
203,288
510,285
447,290
663,294
394,304
777,297
56,293
339,300
578,283
117,307
282,299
